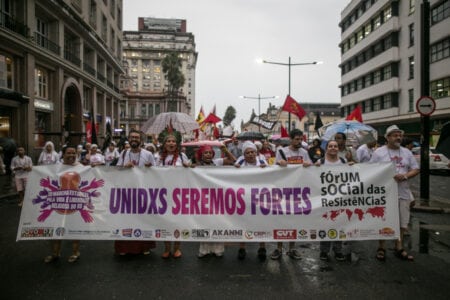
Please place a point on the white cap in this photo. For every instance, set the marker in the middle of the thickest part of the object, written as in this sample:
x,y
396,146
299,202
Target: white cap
x,y
392,129
248,144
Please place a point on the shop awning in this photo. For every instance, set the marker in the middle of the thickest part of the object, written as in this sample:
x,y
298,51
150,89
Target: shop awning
x,y
13,95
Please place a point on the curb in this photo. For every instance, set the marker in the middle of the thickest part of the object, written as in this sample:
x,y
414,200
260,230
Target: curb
x,y
430,209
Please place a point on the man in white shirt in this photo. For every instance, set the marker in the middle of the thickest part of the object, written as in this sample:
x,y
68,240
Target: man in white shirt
x,y
406,167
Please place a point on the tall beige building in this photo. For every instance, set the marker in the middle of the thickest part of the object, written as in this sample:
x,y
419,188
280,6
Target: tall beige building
x,y
145,86
60,60
381,58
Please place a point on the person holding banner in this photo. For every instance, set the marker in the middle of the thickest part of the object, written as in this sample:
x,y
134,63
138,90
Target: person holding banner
x,y
251,158
21,165
96,158
135,156
406,167
292,154
69,154
171,156
331,158
205,157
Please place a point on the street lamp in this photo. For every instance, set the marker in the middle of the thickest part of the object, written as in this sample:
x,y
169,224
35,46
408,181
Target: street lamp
x,y
259,103
290,64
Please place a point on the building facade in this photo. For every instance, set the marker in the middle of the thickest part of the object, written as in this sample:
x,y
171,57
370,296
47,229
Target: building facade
x,y
145,87
59,68
328,112
381,59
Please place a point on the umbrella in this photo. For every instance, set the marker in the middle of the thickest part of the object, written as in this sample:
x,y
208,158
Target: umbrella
x,y
357,133
250,135
179,121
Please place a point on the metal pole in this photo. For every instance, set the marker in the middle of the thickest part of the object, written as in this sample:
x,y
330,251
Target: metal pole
x,y
289,93
259,111
425,91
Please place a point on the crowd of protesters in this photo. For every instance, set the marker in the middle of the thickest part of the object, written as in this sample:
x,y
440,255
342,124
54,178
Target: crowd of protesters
x,y
135,153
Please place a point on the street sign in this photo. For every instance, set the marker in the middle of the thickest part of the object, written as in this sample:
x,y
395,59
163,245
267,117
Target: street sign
x,y
425,105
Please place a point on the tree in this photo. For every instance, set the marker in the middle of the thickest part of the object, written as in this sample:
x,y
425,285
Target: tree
x,y
171,65
230,115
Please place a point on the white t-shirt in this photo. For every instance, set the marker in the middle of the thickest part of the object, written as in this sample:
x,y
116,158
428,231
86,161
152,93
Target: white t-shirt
x,y
294,157
259,161
139,159
404,162
169,160
364,153
97,158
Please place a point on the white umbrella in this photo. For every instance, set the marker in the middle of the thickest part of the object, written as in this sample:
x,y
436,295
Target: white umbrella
x,y
179,121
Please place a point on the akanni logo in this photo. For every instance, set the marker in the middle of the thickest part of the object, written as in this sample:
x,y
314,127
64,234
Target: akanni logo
x,y
285,234
67,196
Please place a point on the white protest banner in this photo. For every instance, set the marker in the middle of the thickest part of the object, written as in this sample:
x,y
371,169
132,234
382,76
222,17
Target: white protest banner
x,y
356,202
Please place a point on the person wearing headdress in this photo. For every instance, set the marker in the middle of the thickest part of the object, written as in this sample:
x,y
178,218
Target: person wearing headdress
x,y
171,156
48,155
205,157
250,158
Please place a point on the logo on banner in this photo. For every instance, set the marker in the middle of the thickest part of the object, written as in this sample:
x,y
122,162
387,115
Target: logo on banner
x,y
387,231
313,234
137,232
200,233
127,232
262,235
230,234
67,196
302,234
176,233
285,234
60,231
185,234
37,232
332,234
322,234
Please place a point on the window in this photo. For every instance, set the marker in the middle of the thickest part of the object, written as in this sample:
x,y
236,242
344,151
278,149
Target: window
x,y
376,22
377,103
440,50
387,14
368,80
440,88
411,100
368,106
440,12
387,101
6,72
41,83
411,35
93,14
367,29
104,28
376,76
42,33
387,72
411,67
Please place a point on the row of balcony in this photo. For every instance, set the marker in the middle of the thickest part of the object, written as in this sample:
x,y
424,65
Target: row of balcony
x,y
9,23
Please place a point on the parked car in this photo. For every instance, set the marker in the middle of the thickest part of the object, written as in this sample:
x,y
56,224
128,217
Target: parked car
x,y
438,161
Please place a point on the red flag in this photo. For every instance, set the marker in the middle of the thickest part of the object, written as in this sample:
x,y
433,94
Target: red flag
x,y
356,114
284,132
292,106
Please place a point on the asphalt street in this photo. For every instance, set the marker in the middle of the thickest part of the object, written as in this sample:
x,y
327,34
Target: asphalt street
x,y
101,274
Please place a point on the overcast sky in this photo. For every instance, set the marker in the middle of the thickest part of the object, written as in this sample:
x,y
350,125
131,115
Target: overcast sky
x,y
231,34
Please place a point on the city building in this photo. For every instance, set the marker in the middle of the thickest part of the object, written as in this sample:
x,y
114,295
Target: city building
x,y
381,59
60,63
145,87
329,112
